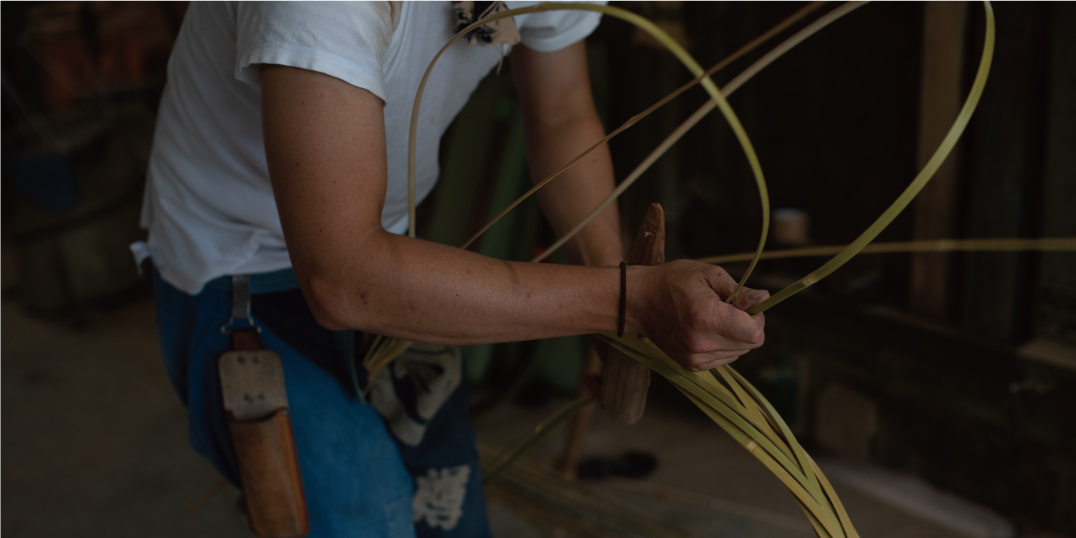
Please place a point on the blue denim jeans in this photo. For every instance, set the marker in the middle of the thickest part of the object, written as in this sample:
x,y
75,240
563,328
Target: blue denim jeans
x,y
359,478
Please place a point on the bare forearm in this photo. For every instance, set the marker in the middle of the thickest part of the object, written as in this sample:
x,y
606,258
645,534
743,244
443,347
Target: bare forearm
x,y
413,289
325,147
574,194
554,90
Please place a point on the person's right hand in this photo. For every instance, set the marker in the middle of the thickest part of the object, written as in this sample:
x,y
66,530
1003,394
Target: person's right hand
x,y
681,307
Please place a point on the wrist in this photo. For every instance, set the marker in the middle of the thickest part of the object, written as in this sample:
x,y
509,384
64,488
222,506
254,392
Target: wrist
x,y
636,299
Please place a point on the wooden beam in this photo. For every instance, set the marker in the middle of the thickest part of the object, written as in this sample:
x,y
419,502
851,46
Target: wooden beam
x,y
940,98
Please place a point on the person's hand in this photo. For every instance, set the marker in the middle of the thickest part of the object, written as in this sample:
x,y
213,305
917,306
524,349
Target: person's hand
x,y
681,307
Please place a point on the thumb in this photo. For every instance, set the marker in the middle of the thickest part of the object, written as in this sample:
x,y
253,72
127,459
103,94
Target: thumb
x,y
751,297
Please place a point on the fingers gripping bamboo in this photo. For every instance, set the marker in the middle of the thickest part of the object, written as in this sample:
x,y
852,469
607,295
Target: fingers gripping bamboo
x,y
625,381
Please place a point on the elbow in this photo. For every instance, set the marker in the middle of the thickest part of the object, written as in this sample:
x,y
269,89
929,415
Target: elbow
x,y
332,289
327,301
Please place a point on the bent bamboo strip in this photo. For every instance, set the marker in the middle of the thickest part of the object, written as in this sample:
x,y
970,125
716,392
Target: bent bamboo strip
x,y
645,352
781,26
733,409
917,184
382,352
519,447
664,39
701,113
826,514
1045,244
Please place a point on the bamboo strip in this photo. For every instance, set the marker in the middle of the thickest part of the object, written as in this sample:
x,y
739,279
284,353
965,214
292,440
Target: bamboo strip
x,y
701,113
733,410
382,352
658,361
832,495
627,16
823,522
801,455
519,447
644,351
667,493
1049,244
917,184
781,26
548,499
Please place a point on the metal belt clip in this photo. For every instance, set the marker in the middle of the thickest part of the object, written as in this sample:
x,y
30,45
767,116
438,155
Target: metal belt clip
x,y
240,304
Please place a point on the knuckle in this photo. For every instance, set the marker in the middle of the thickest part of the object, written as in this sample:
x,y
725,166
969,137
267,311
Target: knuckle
x,y
757,337
698,319
680,264
696,323
695,344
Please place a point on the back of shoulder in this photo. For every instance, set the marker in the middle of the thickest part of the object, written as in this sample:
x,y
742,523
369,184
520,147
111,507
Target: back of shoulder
x,y
342,39
317,21
553,30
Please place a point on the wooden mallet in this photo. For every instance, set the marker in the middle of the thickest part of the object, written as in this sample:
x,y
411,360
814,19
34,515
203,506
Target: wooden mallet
x,y
625,382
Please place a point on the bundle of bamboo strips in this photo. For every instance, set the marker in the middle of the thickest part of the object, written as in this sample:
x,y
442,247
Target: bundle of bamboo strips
x,y
550,501
1044,244
723,394
742,411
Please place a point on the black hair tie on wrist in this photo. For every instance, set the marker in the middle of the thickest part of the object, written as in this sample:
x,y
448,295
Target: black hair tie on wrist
x,y
623,299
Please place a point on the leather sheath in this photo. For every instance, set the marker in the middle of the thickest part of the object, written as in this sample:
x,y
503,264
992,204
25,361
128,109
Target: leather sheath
x,y
269,471
256,404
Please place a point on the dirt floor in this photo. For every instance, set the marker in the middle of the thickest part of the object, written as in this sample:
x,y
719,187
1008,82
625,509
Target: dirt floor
x,y
94,444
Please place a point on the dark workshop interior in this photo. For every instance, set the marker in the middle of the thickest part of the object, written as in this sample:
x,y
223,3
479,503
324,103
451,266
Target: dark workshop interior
x,y
936,390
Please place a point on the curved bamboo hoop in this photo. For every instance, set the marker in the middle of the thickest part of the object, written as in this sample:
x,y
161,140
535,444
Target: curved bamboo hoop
x,y
781,26
702,112
509,455
664,39
913,189
1045,244
735,405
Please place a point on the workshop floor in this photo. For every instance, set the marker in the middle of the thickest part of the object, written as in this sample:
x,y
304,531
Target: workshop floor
x,y
95,445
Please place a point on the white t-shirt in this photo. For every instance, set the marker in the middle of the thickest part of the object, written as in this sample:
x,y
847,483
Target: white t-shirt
x,y
209,204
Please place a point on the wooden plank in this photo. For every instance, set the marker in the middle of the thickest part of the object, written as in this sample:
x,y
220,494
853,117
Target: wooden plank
x,y
1006,168
941,96
1056,297
624,381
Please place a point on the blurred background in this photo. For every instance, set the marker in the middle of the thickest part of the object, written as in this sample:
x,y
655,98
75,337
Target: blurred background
x,y
937,390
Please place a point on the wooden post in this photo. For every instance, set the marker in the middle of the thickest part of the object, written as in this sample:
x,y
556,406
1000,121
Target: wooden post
x,y
577,428
624,381
941,96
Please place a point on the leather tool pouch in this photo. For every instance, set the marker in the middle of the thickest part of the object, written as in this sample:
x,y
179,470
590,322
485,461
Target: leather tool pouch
x,y
255,401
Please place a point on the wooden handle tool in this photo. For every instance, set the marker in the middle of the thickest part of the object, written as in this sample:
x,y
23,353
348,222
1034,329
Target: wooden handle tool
x,y
625,382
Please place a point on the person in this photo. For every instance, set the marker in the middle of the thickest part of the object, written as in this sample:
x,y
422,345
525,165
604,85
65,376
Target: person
x,y
280,153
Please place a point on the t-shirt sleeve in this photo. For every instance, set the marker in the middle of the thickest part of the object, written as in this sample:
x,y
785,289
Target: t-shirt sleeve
x,y
553,30
345,40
